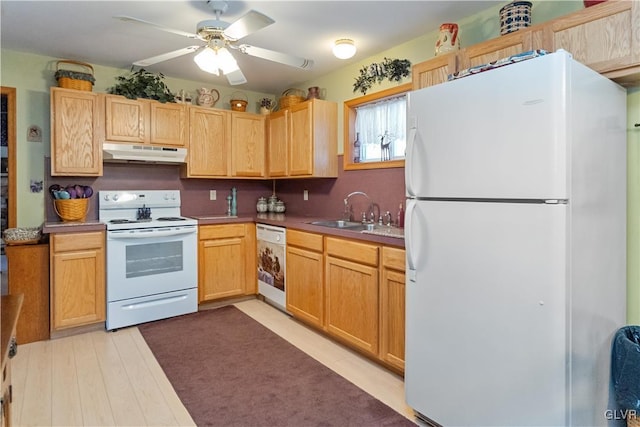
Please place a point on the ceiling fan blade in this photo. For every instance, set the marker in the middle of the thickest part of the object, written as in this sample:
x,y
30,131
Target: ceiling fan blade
x,y
166,56
272,55
236,77
158,26
248,23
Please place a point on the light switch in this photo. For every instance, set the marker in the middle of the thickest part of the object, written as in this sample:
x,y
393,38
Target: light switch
x,y
212,195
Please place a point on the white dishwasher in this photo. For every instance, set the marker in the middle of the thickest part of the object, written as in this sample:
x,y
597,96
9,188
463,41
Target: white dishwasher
x,y
272,247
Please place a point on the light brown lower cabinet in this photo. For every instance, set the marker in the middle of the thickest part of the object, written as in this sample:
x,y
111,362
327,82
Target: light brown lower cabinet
x,y
77,279
352,290
28,271
226,261
351,285
392,306
305,277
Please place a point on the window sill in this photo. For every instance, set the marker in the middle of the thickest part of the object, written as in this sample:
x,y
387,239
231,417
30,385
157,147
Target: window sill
x,y
374,165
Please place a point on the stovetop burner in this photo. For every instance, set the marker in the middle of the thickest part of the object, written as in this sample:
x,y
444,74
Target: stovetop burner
x,y
171,218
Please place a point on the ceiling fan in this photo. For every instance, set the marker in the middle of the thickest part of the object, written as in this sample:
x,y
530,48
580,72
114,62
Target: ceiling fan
x,y
219,37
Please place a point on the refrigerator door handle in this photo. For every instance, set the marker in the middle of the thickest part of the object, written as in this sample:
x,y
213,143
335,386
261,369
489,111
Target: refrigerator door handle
x,y
410,222
413,130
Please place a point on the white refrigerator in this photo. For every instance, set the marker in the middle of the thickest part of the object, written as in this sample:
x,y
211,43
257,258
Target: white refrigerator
x,y
516,245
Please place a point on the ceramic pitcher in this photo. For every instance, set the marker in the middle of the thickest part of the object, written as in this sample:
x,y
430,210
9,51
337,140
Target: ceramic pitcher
x,y
207,97
448,39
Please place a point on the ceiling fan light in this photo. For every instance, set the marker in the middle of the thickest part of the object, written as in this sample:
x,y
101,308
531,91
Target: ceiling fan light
x,y
207,60
226,61
344,48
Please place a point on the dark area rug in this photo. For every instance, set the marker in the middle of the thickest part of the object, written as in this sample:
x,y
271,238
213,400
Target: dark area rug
x,y
229,370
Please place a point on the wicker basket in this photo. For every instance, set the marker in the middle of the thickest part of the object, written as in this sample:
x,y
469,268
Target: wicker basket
x,y
238,101
21,236
78,80
291,97
71,209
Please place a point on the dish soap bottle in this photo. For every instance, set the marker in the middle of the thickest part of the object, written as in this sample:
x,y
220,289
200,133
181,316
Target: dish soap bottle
x,y
400,217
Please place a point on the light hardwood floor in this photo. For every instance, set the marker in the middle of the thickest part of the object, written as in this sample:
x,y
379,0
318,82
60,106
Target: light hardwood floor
x,y
112,379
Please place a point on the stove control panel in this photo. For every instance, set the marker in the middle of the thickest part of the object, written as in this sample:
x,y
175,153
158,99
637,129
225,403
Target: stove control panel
x,y
135,199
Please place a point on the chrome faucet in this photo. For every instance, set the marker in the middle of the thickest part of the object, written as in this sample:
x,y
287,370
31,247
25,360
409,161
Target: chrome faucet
x,y
346,215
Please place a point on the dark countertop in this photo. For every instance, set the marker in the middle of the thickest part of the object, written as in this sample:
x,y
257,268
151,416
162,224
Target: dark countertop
x,y
281,220
300,223
72,227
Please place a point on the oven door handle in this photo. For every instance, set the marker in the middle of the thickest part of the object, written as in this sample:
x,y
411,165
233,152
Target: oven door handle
x,y
142,234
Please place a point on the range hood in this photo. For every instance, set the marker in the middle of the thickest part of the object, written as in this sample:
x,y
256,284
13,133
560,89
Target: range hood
x,y
142,153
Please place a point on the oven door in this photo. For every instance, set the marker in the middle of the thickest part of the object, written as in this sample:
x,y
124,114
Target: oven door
x,y
151,261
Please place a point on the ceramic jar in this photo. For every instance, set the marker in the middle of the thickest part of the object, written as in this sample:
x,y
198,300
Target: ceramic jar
x,y
207,97
280,207
314,92
271,203
448,39
261,206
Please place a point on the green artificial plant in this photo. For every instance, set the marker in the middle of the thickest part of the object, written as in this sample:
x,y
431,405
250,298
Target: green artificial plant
x,y
142,84
392,69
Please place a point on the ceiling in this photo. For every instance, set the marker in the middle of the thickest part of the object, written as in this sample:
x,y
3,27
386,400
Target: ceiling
x,y
86,31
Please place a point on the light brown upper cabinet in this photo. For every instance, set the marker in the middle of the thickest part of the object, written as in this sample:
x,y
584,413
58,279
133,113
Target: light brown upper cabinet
x,y
209,154
605,37
247,145
278,131
501,47
142,121
307,134
76,118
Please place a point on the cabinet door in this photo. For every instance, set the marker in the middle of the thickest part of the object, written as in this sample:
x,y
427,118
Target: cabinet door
x,y
28,271
247,144
126,119
78,280
500,47
221,268
434,71
278,143
208,143
301,141
352,303
168,124
392,307
75,131
305,279
604,37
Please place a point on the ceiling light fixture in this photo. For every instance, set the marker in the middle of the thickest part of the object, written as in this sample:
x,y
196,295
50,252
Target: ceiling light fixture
x,y
212,59
344,48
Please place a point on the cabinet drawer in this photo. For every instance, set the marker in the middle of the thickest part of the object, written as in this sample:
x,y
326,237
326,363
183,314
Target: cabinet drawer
x,y
207,232
393,258
305,240
77,241
355,251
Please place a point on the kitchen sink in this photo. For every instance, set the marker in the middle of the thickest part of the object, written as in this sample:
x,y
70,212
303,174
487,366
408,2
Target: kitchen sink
x,y
380,230
343,225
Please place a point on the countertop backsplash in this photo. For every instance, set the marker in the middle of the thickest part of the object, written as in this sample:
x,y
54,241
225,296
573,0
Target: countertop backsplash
x,y
385,187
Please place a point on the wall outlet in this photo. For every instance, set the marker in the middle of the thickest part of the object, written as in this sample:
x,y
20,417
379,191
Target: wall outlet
x,y
305,195
212,195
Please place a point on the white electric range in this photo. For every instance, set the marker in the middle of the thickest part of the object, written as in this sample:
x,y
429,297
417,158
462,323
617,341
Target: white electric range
x,y
151,256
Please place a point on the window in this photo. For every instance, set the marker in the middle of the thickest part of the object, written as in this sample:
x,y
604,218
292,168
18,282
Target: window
x,y
375,129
